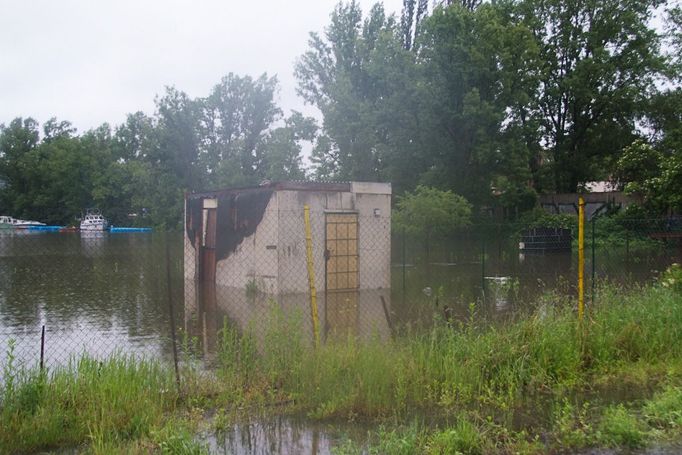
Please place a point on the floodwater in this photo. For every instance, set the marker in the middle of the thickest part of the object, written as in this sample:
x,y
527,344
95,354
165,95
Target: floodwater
x,y
495,281
94,292
105,293
291,436
281,436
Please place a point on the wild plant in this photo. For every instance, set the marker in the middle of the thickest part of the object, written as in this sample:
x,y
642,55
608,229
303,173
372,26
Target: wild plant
x,y
9,374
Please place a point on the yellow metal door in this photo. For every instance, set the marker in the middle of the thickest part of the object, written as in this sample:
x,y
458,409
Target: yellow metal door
x,y
341,273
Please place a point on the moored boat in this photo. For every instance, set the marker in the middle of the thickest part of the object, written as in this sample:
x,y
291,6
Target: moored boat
x,y
7,222
129,229
94,221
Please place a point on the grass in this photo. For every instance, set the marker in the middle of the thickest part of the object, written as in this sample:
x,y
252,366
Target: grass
x,y
450,367
483,375
100,404
472,381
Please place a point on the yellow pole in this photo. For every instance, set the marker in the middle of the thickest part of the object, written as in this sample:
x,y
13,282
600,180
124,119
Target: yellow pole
x,y
581,257
311,274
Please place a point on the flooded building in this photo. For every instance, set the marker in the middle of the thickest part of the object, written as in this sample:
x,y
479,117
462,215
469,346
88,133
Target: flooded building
x,y
247,249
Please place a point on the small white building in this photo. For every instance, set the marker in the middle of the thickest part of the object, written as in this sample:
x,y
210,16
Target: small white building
x,y
245,249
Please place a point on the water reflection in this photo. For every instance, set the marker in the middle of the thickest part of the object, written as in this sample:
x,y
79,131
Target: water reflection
x,y
280,436
463,280
94,293
365,313
288,436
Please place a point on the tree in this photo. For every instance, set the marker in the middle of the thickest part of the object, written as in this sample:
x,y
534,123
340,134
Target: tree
x,y
178,139
17,141
54,129
674,40
410,18
430,103
653,168
473,68
235,120
280,151
335,75
599,60
429,212
46,180
648,173
137,138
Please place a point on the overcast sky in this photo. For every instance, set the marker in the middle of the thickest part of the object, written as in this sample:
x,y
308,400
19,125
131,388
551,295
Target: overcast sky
x,y
91,62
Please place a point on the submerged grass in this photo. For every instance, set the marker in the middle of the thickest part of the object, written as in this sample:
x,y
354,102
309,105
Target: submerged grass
x,y
471,380
629,340
546,351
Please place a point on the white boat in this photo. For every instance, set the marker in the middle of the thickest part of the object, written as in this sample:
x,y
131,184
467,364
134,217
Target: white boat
x,y
94,221
7,222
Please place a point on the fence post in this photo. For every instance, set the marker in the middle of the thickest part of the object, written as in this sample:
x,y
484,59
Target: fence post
x,y
581,257
42,349
499,241
593,258
172,312
404,266
483,266
311,274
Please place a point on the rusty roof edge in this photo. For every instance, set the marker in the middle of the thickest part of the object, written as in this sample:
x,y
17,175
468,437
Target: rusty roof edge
x,y
293,185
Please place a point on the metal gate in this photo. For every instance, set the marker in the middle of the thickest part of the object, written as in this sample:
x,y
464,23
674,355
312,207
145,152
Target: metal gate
x,y
341,273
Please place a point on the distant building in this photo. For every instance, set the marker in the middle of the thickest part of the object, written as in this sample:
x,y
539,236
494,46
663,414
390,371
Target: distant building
x,y
598,196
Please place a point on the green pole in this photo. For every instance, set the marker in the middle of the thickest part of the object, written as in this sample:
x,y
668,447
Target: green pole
x,y
593,257
404,279
483,266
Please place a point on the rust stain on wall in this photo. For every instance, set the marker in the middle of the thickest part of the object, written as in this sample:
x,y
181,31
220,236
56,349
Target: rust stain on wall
x,y
239,214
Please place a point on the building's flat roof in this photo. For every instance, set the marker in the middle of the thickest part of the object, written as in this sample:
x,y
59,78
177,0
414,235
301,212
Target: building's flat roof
x,y
360,187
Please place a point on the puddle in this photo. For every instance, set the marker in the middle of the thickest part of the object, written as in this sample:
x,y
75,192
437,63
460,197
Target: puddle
x,y
668,450
281,436
291,436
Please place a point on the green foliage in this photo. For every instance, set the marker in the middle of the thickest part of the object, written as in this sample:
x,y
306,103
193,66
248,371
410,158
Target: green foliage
x,y
664,410
496,101
463,438
106,402
672,278
571,425
654,170
429,211
176,439
541,218
237,355
403,441
619,231
620,428
449,367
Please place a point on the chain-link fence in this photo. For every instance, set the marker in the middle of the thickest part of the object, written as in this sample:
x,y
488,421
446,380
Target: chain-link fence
x,y
503,268
66,294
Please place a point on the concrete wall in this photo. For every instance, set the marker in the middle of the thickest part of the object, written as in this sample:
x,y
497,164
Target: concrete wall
x,y
374,240
254,261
